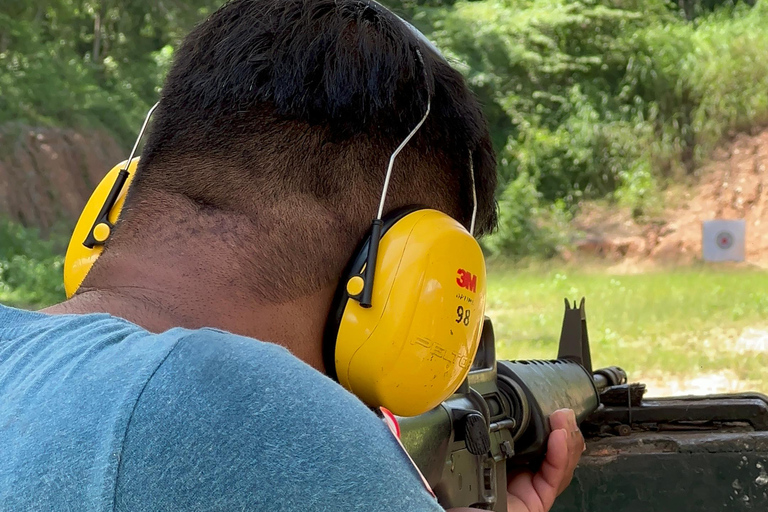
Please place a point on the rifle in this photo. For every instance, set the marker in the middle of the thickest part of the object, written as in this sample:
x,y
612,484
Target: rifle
x,y
497,421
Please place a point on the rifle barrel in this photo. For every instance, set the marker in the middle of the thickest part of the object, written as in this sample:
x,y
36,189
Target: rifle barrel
x,y
608,377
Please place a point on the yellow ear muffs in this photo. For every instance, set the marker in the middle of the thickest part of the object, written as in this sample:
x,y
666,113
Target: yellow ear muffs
x,y
414,346
95,225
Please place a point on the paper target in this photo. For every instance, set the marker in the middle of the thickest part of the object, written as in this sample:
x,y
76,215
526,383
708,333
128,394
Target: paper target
x,y
723,240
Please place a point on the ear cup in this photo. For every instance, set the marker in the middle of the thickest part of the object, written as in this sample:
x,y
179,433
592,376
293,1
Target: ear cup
x,y
80,257
413,348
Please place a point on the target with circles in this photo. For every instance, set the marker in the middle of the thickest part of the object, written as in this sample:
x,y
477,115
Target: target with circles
x,y
723,240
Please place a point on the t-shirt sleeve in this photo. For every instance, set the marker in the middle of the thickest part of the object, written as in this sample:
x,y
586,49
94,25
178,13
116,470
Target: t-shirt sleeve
x,y
229,423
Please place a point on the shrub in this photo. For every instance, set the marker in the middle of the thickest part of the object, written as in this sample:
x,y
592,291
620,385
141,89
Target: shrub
x,y
586,99
30,267
526,228
603,99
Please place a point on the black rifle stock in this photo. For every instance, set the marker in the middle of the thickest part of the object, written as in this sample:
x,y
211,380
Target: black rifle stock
x,y
498,422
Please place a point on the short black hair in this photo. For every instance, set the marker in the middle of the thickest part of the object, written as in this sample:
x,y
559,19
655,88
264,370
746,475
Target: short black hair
x,y
305,100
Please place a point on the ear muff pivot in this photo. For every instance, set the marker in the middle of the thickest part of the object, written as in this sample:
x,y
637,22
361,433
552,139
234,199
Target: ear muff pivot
x,y
102,226
414,346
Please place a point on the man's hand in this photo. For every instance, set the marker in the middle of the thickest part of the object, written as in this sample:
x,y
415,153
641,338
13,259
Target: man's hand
x,y
528,492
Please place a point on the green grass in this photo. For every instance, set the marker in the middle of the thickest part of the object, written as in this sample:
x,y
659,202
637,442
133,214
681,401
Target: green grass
x,y
664,327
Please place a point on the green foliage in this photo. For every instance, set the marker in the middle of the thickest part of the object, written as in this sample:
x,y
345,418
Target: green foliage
x,y
730,75
585,99
88,62
603,98
30,267
525,226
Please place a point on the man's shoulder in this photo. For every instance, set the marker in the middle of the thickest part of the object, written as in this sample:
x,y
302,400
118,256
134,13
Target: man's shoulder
x,y
183,420
261,381
228,422
218,358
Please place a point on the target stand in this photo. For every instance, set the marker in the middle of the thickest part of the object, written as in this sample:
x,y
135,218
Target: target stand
x,y
723,240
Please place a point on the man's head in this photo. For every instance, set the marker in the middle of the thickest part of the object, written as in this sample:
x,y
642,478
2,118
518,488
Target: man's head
x,y
265,165
273,134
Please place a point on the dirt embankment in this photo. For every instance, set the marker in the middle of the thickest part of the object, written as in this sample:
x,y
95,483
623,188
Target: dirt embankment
x,y
47,174
730,186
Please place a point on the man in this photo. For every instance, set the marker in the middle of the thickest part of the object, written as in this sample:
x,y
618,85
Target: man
x,y
147,390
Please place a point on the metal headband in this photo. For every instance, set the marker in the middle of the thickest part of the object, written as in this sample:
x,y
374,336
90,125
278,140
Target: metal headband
x,y
422,39
402,145
141,133
368,274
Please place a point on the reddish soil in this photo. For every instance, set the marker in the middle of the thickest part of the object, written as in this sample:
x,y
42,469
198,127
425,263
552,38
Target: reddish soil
x,y
47,174
730,186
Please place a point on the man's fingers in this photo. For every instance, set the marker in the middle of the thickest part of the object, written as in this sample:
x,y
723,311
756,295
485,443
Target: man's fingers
x,y
536,493
522,495
565,419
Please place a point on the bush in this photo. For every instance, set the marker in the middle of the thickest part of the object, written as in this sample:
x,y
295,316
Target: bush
x,y
526,228
586,99
89,63
30,267
730,74
603,99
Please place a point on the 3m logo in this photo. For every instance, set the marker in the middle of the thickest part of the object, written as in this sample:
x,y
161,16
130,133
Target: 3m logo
x,y
467,280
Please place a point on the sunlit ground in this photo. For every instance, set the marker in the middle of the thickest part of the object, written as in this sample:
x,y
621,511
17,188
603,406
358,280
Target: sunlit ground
x,y
684,331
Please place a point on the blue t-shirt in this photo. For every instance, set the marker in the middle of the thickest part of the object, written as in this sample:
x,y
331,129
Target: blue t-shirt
x,y
97,414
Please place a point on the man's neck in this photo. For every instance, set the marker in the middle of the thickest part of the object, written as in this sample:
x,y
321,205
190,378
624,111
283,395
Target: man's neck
x,y
160,297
